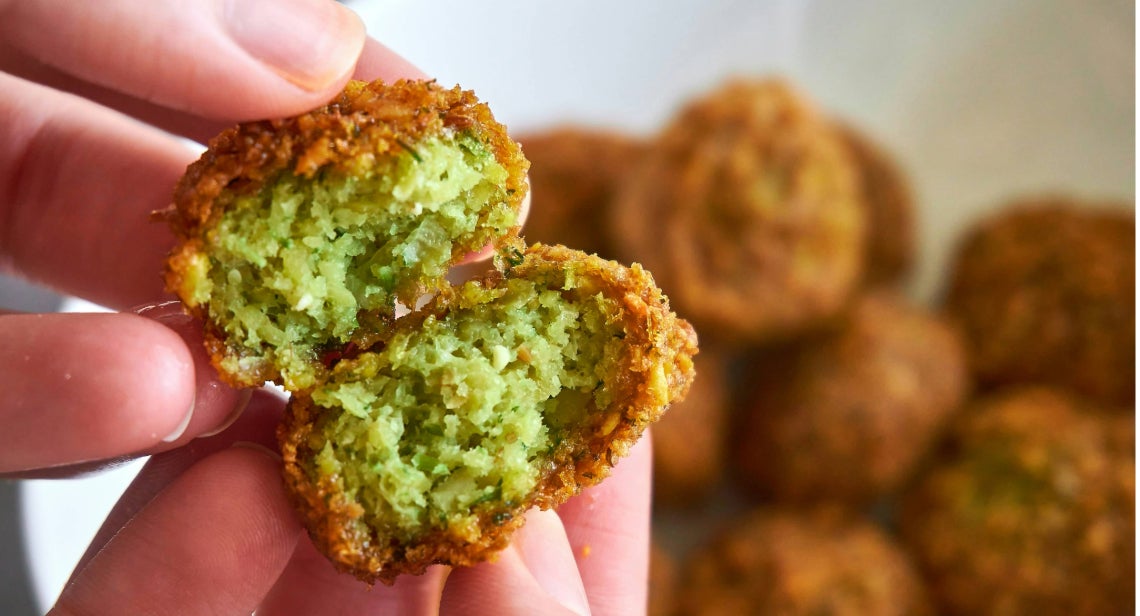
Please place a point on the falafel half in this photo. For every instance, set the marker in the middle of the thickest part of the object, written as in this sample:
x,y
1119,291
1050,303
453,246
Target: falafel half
x,y
290,230
503,394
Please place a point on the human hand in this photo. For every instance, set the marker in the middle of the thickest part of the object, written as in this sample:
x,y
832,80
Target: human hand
x,y
206,527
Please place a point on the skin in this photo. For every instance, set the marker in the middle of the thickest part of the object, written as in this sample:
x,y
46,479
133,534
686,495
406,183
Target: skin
x,y
179,541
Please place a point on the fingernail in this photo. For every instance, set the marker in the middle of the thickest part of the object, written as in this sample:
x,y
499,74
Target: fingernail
x,y
546,552
258,447
180,429
239,408
312,43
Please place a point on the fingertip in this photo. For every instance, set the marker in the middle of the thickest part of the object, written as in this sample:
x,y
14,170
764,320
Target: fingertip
x,y
215,405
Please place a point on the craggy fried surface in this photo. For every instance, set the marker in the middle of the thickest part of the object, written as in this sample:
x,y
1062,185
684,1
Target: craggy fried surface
x,y
574,175
890,209
791,563
1031,511
845,417
688,457
367,121
1045,293
656,370
747,209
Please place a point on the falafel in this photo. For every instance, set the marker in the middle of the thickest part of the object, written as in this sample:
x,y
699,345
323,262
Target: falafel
x,y
1045,293
775,561
747,208
1031,511
574,174
846,417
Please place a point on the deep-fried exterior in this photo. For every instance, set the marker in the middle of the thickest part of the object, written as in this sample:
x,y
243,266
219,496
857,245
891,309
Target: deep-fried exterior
x,y
662,581
254,214
574,175
890,210
846,417
641,362
1031,512
1045,293
791,563
747,209
688,442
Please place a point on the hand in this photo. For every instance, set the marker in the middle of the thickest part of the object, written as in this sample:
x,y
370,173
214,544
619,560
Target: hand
x,y
206,527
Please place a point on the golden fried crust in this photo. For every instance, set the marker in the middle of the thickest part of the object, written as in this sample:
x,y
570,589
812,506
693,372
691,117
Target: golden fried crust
x,y
656,370
574,175
802,562
1045,293
1031,511
746,207
366,121
846,417
688,442
890,209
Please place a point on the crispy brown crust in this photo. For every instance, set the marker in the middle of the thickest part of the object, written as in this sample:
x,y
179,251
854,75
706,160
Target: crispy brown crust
x,y
1045,293
890,209
1031,511
655,339
574,174
746,207
366,121
802,562
846,417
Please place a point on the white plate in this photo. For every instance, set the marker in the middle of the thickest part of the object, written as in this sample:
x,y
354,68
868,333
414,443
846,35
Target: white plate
x,y
980,100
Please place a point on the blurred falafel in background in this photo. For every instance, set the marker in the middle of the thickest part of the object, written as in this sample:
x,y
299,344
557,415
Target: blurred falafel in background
x,y
1044,292
1031,510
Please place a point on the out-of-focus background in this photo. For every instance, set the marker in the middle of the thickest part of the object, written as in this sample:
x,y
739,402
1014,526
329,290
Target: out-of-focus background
x,y
978,101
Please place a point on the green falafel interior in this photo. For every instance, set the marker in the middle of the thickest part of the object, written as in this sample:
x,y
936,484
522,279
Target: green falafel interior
x,y
290,266
454,419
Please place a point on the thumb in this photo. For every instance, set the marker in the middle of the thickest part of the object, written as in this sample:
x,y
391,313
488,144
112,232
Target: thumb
x,y
537,574
231,59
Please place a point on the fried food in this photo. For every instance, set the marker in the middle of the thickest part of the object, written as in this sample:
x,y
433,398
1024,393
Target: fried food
x,y
422,439
500,395
747,209
290,229
575,173
790,563
1031,512
688,442
1045,293
845,417
890,209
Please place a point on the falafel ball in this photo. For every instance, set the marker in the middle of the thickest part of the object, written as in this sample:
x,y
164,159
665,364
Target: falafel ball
x,y
802,562
290,230
1045,293
500,395
846,417
689,441
747,208
574,174
890,209
1030,512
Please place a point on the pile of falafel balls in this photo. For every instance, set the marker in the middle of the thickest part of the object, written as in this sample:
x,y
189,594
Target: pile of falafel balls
x,y
845,450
